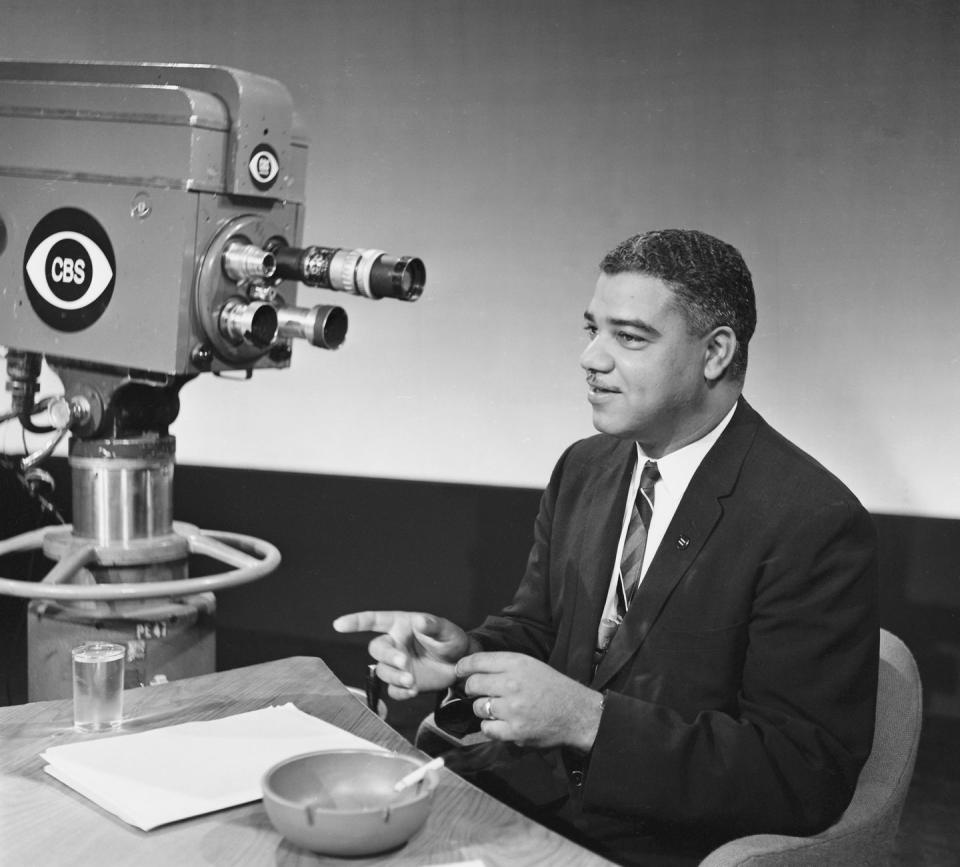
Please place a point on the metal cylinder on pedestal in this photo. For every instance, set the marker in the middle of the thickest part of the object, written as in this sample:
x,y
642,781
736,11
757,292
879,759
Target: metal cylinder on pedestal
x,y
123,489
123,504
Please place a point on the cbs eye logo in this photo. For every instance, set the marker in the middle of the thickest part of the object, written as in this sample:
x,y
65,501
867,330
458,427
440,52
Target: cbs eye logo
x,y
69,269
264,167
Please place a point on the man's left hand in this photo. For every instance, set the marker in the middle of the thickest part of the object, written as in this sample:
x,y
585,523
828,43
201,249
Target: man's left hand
x,y
521,699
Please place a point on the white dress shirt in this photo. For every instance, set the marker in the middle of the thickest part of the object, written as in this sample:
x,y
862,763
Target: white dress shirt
x,y
676,470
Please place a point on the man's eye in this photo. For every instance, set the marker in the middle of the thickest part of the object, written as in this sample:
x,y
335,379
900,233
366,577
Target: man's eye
x,y
627,338
590,330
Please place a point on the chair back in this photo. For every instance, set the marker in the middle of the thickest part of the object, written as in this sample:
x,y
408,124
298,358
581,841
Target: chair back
x,y
865,833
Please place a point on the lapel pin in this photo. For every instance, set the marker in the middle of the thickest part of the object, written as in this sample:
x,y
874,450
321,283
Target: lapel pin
x,y
682,542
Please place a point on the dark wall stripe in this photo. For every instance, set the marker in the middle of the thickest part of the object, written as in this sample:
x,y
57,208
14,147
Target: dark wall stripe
x,y
457,550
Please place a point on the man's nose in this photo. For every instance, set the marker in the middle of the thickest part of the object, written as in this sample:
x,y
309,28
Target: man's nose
x,y
595,357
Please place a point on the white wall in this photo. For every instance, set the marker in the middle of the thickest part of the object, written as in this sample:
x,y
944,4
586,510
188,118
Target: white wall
x,y
510,144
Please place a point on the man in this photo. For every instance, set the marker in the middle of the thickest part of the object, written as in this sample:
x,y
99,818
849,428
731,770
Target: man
x,y
692,653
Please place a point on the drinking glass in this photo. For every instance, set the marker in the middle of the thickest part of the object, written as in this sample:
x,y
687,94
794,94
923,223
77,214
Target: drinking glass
x,y
98,686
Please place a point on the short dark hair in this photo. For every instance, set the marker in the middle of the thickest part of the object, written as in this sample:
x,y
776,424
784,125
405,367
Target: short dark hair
x,y
708,276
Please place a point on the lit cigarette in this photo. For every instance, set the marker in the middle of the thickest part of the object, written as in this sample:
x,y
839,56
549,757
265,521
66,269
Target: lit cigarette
x,y
417,775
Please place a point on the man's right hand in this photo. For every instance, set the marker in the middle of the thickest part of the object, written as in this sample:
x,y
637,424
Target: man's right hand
x,y
416,652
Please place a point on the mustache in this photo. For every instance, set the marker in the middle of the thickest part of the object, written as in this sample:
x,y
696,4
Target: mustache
x,y
594,382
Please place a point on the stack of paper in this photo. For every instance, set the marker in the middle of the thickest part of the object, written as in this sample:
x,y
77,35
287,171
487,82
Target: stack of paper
x,y
159,776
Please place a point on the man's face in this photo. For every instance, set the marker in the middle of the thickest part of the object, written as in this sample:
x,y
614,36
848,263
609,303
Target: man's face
x,y
645,371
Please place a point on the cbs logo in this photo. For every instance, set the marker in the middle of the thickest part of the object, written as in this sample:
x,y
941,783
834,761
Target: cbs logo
x,y
264,167
69,269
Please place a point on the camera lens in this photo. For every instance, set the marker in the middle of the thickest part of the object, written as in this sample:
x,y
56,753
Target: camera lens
x,y
371,273
400,277
253,323
322,326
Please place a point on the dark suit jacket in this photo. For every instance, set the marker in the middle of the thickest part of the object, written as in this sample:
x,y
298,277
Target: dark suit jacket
x,y
741,685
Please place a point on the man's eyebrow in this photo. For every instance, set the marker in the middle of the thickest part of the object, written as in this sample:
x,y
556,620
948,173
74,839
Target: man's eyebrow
x,y
638,324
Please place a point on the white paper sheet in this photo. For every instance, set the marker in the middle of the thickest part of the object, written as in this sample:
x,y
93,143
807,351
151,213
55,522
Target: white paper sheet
x,y
164,775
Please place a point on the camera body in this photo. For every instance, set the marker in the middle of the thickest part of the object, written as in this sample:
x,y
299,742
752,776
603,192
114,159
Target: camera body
x,y
121,186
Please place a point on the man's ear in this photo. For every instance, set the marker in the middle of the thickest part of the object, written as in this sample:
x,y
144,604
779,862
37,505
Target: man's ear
x,y
720,349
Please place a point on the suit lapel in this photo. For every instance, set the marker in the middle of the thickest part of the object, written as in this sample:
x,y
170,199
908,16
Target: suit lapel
x,y
699,512
604,497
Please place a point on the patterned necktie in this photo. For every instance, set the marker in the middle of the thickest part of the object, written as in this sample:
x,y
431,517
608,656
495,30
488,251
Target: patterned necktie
x,y
631,561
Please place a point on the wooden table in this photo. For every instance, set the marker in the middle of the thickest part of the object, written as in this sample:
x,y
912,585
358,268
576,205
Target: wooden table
x,y
43,822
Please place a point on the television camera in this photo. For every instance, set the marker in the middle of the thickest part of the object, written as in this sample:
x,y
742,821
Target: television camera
x,y
151,218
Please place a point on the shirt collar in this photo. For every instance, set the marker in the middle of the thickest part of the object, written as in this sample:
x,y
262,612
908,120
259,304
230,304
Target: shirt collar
x,y
677,468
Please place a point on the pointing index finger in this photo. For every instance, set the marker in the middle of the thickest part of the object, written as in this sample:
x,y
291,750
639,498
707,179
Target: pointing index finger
x,y
368,621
